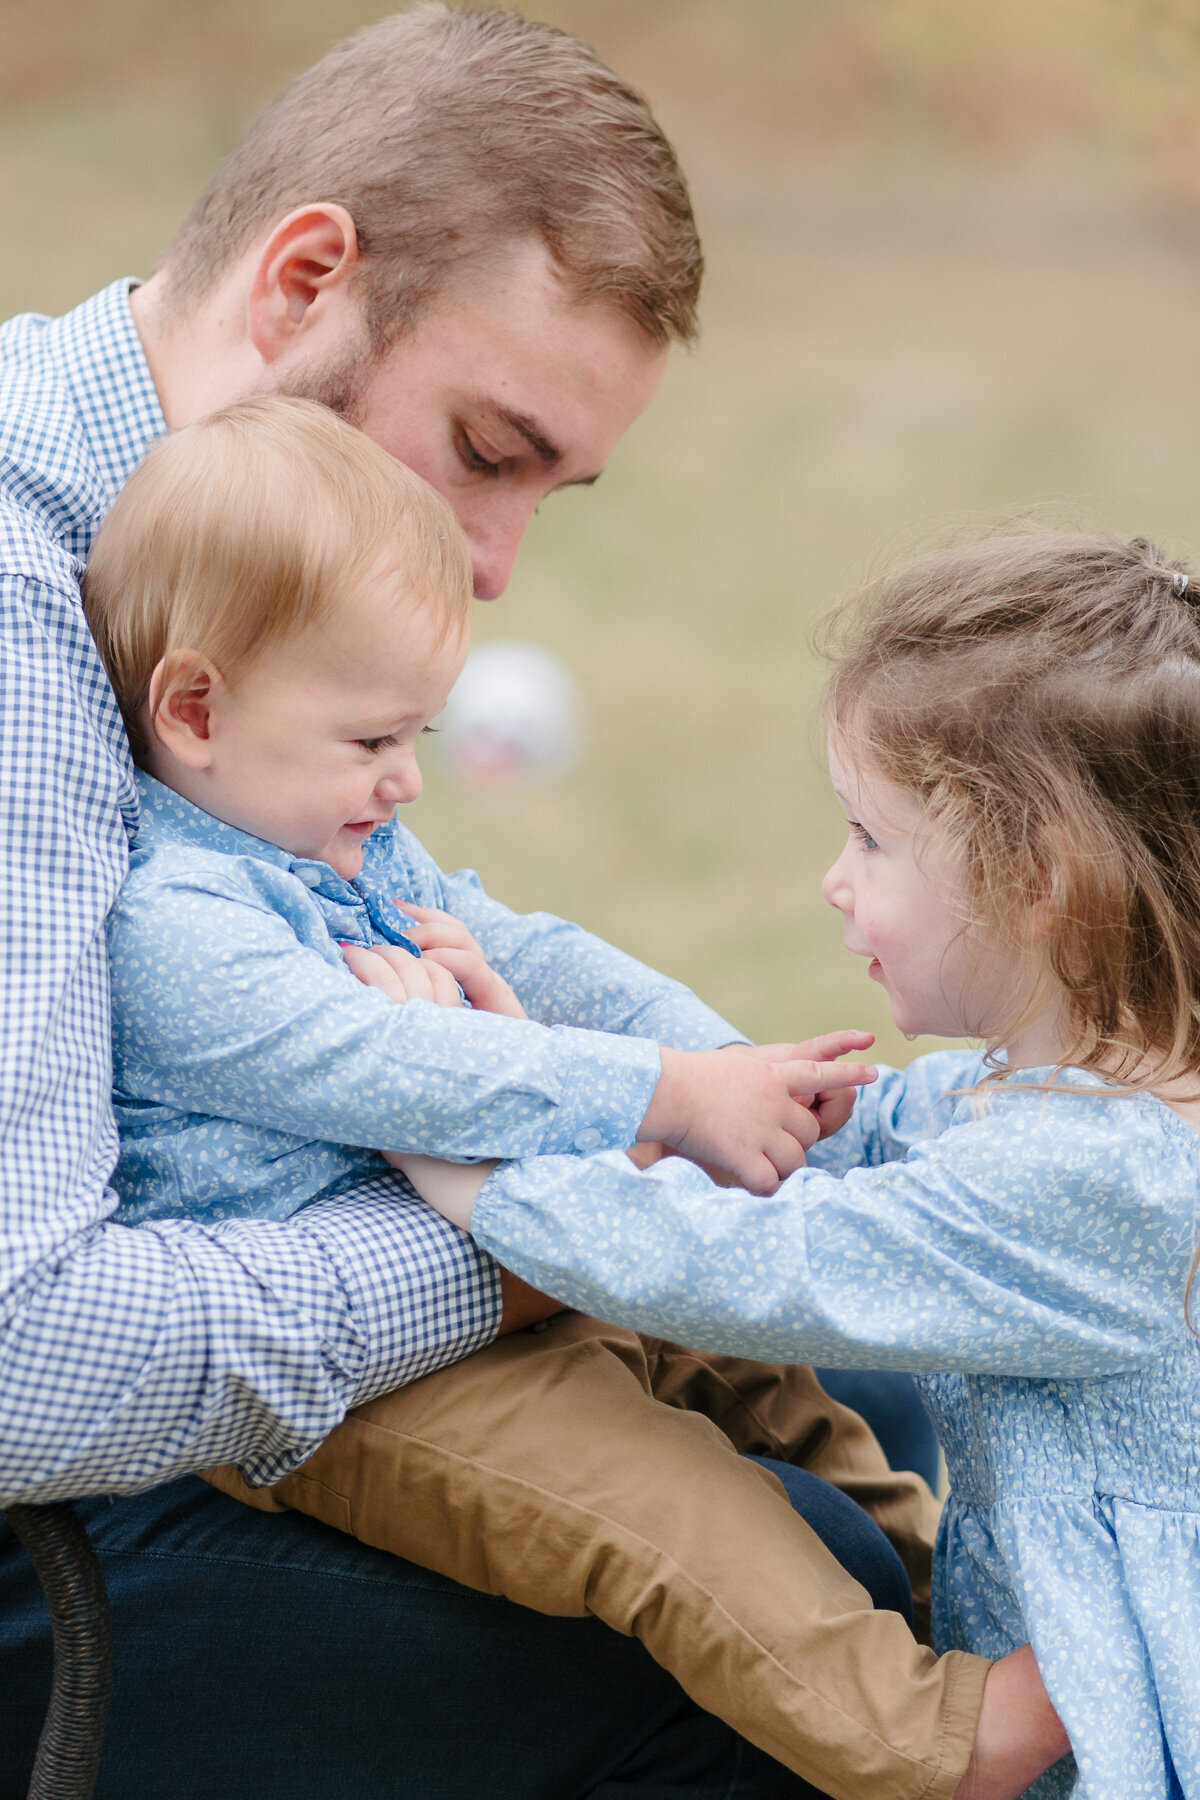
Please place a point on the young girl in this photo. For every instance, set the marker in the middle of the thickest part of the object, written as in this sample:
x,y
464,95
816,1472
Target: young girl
x,y
1015,739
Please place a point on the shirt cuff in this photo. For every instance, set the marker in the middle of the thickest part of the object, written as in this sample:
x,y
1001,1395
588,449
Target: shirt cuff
x,y
607,1085
420,1293
684,1023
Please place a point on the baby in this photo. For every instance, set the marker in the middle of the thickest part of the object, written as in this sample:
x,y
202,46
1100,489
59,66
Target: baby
x,y
282,608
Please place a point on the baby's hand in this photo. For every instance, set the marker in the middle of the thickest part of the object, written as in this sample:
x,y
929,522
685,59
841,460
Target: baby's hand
x,y
832,1108
401,975
744,1109
445,940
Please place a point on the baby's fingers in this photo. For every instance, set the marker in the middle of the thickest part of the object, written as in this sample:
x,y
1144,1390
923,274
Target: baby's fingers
x,y
805,1077
398,983
819,1049
832,1110
442,986
487,991
834,1044
436,930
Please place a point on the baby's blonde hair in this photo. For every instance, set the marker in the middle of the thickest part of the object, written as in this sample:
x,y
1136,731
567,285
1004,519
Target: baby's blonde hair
x,y
243,529
1039,694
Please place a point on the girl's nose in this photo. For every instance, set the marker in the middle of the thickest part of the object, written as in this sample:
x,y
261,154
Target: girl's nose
x,y
835,889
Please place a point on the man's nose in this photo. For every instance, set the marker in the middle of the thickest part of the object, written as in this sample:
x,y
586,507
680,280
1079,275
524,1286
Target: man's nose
x,y
494,542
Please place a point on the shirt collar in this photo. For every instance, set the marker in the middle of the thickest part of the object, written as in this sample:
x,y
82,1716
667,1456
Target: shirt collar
x,y
167,818
361,910
100,353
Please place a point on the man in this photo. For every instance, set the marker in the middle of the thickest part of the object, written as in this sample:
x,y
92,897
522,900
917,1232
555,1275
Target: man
x,y
465,234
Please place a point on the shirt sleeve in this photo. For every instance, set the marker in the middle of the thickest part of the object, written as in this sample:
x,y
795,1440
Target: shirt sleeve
x,y
565,975
129,1355
900,1108
1025,1241
221,1009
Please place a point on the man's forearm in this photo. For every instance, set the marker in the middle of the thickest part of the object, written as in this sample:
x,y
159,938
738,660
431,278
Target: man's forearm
x,y
144,1353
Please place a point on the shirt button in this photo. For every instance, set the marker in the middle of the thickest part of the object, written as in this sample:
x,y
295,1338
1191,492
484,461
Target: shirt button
x,y
588,1140
310,877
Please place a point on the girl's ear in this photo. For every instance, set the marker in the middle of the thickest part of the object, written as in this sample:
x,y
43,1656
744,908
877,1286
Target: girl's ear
x,y
185,690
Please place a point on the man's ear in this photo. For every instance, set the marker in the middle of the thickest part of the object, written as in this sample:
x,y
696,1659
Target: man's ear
x,y
184,691
303,271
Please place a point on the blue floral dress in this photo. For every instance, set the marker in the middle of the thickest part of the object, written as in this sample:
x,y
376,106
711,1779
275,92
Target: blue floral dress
x,y
1028,1253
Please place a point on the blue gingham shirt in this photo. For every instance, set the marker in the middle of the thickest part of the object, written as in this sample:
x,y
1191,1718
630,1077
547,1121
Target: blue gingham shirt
x,y
253,1072
129,1354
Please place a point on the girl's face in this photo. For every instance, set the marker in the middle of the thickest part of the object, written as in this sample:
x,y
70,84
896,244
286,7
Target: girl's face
x,y
900,891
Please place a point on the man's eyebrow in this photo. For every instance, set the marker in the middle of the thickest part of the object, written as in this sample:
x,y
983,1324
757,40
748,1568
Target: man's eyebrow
x,y
547,453
528,428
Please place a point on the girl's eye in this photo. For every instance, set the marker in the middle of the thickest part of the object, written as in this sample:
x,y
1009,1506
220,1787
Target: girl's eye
x,y
862,836
379,743
474,458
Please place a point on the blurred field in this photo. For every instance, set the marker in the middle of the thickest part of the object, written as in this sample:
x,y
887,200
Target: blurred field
x,y
954,256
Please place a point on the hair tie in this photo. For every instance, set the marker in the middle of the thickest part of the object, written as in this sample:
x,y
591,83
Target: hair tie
x,y
1179,583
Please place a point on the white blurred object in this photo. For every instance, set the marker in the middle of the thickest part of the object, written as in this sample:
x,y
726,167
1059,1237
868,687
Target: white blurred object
x,y
515,717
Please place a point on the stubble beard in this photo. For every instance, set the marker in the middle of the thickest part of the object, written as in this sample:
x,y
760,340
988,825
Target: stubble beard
x,y
340,385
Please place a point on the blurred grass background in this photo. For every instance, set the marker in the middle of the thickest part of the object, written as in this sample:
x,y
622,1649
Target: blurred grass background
x,y
953,271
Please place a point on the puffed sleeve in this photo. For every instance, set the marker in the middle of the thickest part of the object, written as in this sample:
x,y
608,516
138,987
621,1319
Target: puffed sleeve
x,y
1040,1234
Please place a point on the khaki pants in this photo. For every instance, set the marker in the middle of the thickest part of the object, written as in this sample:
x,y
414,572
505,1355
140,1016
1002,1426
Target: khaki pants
x,y
579,1468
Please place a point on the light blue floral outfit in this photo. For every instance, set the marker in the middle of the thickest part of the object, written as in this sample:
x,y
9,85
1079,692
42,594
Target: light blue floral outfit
x,y
1028,1251
254,1074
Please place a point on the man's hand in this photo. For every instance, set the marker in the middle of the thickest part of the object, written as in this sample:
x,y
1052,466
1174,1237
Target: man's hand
x,y
744,1109
522,1305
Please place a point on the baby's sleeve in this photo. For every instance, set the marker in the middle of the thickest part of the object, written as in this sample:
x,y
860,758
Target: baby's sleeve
x,y
223,1007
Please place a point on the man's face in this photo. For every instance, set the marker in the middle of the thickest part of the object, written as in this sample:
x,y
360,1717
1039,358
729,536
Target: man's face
x,y
503,393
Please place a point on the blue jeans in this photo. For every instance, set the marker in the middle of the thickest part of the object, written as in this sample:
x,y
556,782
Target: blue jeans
x,y
260,1654
894,1410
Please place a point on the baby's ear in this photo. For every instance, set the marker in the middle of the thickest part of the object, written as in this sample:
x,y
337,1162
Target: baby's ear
x,y
184,689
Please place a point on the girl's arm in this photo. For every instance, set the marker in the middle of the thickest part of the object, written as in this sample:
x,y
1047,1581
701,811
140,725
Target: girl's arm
x,y
1049,1236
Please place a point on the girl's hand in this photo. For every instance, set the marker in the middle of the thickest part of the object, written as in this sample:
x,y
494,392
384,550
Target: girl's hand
x,y
445,941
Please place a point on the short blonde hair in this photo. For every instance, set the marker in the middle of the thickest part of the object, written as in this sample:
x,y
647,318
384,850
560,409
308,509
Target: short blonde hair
x,y
245,528
449,133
